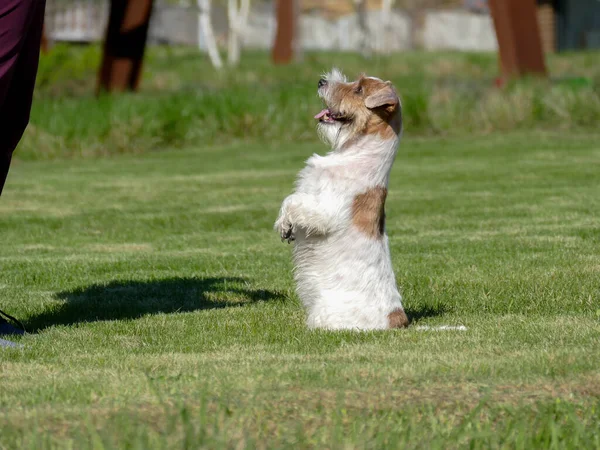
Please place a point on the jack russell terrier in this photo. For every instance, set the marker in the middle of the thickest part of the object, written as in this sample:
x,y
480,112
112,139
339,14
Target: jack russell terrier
x,y
336,215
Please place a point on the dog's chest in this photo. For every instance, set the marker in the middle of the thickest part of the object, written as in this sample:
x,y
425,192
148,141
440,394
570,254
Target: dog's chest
x,y
343,179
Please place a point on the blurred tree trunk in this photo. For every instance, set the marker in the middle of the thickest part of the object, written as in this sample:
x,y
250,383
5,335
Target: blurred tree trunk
x,y
124,45
519,39
44,44
205,27
238,19
285,39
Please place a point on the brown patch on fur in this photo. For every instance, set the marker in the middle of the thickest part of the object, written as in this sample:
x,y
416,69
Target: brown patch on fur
x,y
398,319
368,212
386,128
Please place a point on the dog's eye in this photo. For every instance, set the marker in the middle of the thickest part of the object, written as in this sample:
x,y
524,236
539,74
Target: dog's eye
x,y
358,90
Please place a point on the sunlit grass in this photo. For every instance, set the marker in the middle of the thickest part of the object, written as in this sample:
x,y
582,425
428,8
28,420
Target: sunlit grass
x,y
162,310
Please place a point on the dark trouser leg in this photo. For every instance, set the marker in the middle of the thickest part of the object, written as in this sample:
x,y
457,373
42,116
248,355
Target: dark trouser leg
x,y
21,23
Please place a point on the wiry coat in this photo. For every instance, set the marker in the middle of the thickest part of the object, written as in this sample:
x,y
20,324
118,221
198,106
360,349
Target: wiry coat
x,y
336,216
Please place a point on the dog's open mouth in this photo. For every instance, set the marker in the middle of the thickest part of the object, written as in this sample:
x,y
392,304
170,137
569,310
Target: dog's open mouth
x,y
328,117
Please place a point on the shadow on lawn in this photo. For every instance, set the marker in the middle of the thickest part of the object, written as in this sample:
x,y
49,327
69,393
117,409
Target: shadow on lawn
x,y
416,313
132,299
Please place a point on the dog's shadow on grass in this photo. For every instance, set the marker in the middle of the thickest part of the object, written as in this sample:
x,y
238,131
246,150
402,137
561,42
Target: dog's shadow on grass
x,y
119,300
416,313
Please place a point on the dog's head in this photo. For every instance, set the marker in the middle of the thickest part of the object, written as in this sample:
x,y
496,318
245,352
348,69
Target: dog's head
x,y
367,107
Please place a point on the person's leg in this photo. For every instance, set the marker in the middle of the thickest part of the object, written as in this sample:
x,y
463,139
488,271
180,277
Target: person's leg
x,y
21,23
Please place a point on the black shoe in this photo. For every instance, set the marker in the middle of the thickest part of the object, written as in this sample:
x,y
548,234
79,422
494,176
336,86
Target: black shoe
x,y
6,328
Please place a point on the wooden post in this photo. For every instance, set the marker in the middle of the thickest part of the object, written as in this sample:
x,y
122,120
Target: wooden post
x,y
124,45
519,41
284,46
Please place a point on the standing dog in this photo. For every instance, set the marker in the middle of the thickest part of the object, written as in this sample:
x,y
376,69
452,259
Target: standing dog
x,y
336,215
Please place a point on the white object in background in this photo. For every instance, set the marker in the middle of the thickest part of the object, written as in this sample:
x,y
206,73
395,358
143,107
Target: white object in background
x,y
238,20
205,27
441,328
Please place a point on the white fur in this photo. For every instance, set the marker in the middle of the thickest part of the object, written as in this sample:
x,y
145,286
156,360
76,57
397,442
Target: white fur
x,y
344,278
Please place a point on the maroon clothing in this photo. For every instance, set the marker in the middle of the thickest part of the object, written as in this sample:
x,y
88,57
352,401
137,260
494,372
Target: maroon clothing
x,y
21,23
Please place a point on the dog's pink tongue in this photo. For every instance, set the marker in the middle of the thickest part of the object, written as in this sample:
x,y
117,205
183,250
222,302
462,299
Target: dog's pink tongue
x,y
322,113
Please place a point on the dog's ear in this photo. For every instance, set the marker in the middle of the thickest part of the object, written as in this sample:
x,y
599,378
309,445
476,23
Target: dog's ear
x,y
385,96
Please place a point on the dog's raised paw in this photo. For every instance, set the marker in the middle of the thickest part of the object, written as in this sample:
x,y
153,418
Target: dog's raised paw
x,y
287,234
285,229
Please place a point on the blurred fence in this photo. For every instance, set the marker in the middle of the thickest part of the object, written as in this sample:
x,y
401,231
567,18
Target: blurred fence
x,y
76,21
323,25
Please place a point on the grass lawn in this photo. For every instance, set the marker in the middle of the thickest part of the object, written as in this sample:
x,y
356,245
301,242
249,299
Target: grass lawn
x,y
162,309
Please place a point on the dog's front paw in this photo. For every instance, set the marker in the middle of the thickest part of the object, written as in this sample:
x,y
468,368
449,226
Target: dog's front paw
x,y
288,235
285,229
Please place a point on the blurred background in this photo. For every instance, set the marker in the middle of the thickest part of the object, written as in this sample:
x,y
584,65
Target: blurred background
x,y
215,71
138,244
336,25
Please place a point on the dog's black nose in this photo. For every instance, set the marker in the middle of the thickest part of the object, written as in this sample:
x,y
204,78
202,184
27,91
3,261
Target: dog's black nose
x,y
322,82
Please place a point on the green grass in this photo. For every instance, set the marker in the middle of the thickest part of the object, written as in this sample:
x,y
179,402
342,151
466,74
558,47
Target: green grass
x,y
163,313
184,100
